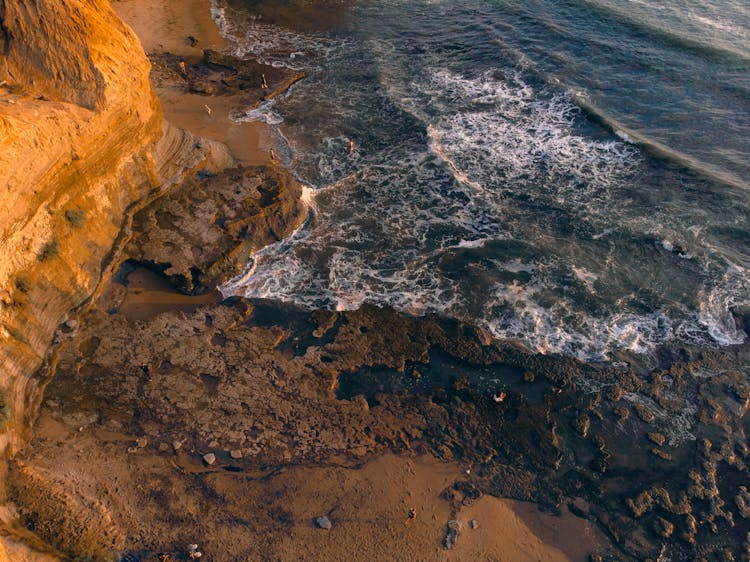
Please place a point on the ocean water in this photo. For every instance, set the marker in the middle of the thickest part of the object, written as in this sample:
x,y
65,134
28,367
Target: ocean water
x,y
572,174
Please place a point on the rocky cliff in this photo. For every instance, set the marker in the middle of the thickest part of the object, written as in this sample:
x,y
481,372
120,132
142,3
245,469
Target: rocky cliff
x,y
82,146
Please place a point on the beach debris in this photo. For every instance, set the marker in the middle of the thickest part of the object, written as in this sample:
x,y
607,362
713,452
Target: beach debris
x,y
474,524
451,533
323,522
411,516
500,396
209,458
193,552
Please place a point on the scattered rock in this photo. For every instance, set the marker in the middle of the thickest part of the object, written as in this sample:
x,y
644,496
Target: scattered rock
x,y
142,442
663,527
209,458
451,533
177,445
474,524
236,454
622,412
323,522
661,454
163,447
646,415
658,438
582,425
743,502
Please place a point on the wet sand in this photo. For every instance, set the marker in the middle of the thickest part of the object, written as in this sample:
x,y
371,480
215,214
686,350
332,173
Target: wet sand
x,y
165,26
367,505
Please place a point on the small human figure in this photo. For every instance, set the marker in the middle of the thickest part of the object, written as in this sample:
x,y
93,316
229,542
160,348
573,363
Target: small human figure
x,y
263,83
411,516
351,147
182,67
272,154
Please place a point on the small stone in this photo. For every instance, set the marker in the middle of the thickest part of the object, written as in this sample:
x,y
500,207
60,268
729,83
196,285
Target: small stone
x,y
582,425
657,438
622,412
209,458
236,454
323,523
214,444
177,445
474,524
661,454
663,527
646,415
163,447
142,442
529,376
451,533
743,502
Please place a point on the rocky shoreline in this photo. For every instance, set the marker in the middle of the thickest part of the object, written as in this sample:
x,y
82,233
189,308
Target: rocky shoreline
x,y
170,416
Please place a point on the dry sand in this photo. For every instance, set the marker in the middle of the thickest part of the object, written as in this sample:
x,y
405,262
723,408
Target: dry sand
x,y
368,506
166,26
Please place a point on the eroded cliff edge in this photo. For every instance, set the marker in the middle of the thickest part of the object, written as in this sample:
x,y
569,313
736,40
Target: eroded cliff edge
x,y
82,145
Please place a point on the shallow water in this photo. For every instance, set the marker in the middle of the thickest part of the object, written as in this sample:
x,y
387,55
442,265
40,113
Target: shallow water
x,y
571,174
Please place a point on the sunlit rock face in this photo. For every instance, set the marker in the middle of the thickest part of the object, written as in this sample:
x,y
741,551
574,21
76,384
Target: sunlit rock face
x,y
82,142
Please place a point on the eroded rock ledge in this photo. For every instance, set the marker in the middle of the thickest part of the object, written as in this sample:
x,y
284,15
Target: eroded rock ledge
x,y
82,143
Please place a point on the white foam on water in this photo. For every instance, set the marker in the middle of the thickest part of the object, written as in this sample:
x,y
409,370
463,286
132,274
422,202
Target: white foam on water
x,y
388,227
677,427
264,113
715,306
525,135
586,277
277,46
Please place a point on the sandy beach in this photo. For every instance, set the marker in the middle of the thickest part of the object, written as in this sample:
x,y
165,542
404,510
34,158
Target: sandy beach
x,y
164,26
368,504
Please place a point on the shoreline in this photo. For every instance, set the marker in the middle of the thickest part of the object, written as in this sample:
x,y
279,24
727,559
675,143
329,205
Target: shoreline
x,y
149,295
164,26
234,423
161,27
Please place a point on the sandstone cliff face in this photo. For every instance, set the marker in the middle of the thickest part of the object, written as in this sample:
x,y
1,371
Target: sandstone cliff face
x,y
82,143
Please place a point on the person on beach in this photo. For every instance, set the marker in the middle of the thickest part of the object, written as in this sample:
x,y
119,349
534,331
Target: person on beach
x,y
411,516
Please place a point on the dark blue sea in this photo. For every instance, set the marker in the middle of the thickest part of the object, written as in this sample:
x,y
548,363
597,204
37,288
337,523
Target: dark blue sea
x,y
572,174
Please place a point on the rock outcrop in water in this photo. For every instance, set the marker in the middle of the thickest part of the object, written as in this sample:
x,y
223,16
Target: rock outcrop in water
x,y
82,143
